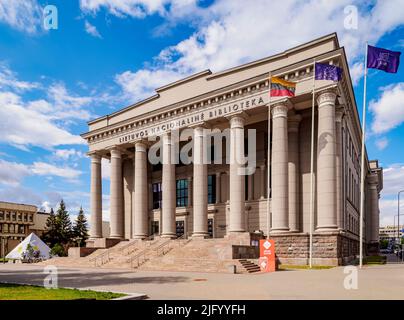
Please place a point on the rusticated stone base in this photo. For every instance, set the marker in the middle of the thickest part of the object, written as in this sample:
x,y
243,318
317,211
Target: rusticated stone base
x,y
329,248
101,242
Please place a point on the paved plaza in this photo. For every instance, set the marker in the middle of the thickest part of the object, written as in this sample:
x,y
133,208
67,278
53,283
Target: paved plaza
x,y
375,282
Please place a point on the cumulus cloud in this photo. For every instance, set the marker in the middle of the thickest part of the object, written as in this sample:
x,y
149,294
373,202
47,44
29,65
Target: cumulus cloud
x,y
66,154
23,127
23,15
13,173
393,179
227,35
388,111
137,8
43,122
382,143
92,30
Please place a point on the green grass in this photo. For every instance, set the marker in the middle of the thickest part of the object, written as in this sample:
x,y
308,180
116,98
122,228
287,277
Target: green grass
x,y
301,267
26,292
3,260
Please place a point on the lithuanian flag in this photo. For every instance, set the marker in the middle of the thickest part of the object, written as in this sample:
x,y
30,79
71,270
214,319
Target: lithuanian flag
x,y
282,88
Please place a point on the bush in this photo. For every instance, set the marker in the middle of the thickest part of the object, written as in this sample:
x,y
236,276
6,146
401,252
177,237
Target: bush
x,y
58,250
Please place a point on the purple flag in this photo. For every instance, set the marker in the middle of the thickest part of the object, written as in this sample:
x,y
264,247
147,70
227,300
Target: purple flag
x,y
382,59
325,71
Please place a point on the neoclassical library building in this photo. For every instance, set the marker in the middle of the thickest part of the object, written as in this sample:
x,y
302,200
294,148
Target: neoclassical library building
x,y
250,160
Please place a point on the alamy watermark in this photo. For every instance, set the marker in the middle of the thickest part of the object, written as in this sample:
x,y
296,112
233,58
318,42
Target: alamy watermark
x,y
50,17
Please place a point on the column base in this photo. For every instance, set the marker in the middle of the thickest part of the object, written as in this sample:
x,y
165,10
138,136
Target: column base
x,y
139,236
169,235
279,230
200,235
327,228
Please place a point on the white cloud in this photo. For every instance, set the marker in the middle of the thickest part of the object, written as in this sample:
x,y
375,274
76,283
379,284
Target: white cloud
x,y
105,168
393,179
47,169
388,110
23,127
227,35
23,15
356,71
8,80
382,143
12,173
137,8
66,154
92,30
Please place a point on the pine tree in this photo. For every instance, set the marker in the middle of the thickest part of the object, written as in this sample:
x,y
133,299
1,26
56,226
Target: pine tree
x,y
80,229
51,232
64,224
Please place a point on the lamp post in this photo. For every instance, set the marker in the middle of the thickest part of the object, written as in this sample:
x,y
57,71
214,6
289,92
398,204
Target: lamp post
x,y
398,221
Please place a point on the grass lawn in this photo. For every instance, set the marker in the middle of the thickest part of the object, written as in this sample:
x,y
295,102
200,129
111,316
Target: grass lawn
x,y
25,292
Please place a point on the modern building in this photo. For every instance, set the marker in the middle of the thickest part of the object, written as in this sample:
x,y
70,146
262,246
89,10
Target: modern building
x,y
220,199
390,232
16,222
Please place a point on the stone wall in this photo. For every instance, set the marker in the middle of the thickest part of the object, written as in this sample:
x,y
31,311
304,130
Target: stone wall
x,y
329,249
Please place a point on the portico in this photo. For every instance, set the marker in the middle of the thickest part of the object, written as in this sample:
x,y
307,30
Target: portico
x,y
216,194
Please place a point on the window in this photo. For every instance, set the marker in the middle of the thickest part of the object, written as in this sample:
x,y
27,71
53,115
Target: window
x,y
210,228
157,195
211,189
7,215
20,217
25,217
31,218
182,193
21,229
13,216
1,215
5,228
155,227
11,228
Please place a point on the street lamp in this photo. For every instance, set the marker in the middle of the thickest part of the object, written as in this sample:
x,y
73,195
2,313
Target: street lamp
x,y
398,220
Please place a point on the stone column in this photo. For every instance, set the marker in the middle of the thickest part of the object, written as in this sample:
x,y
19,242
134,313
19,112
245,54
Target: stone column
x,y
280,191
116,199
250,182
200,184
218,187
140,226
262,181
293,172
236,182
338,169
133,194
374,199
326,162
96,197
169,189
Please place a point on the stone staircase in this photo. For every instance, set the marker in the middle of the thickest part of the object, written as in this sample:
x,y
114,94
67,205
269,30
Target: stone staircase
x,y
249,266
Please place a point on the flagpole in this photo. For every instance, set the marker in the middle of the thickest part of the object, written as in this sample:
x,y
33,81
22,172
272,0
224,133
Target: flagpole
x,y
363,162
269,156
312,169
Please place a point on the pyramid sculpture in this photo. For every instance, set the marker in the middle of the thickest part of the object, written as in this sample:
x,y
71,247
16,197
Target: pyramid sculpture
x,y
40,249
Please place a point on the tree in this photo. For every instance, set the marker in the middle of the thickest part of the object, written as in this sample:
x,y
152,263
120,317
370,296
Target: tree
x,y
51,233
80,229
64,224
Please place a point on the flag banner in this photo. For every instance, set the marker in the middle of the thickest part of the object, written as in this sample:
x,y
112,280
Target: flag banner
x,y
325,71
282,88
383,59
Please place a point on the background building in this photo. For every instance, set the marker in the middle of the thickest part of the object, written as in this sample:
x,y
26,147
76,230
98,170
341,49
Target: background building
x,y
16,222
390,232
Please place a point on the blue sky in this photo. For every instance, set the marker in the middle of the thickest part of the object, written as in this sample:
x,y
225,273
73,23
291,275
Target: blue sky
x,y
106,54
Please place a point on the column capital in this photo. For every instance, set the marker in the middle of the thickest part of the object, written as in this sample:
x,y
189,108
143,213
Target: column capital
x,y
293,123
237,121
326,96
280,110
95,156
140,146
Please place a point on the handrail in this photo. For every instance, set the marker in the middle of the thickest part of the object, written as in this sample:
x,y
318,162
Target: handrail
x,y
144,252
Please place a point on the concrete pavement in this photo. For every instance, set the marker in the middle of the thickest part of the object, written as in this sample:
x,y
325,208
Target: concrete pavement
x,y
375,282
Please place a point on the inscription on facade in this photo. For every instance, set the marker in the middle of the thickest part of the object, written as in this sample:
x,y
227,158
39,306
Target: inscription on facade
x,y
200,116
